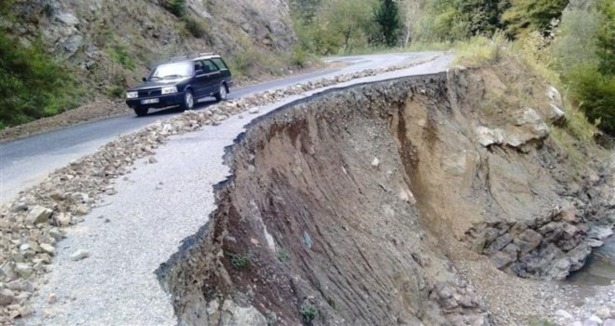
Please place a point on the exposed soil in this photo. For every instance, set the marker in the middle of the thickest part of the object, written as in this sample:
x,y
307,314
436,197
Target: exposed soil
x,y
359,204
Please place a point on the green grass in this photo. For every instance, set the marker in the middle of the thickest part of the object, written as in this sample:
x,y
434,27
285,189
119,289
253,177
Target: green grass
x,y
479,51
32,84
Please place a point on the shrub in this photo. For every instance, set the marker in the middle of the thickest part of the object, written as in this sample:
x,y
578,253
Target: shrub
x,y
309,312
119,54
195,28
595,94
32,84
176,7
240,262
480,51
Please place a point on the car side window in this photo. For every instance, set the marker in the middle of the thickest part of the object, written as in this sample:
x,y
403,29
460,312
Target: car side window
x,y
198,67
210,66
220,63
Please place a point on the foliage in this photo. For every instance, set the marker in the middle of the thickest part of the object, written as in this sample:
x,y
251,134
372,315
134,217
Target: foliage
x,y
532,15
195,28
240,262
309,312
451,20
596,95
388,20
283,256
305,9
119,54
32,84
176,7
480,51
575,42
606,38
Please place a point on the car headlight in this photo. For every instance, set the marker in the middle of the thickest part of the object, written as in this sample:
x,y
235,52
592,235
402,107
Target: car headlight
x,y
132,94
169,90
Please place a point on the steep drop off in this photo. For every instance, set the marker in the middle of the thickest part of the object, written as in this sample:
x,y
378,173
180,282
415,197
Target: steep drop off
x,y
389,203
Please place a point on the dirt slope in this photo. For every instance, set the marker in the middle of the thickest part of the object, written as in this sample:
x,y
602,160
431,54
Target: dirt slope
x,y
401,202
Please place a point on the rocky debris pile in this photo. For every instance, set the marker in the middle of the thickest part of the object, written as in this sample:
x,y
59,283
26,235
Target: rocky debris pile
x,y
461,304
31,227
546,248
528,128
599,309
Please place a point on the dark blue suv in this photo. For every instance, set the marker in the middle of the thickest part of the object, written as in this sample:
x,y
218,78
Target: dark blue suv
x,y
182,82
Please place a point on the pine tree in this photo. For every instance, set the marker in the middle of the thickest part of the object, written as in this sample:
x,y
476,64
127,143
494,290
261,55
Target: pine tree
x,y
387,18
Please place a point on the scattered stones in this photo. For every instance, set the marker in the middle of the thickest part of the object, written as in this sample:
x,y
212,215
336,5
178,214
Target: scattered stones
x,y
376,162
52,298
564,314
6,297
24,270
47,248
37,215
79,255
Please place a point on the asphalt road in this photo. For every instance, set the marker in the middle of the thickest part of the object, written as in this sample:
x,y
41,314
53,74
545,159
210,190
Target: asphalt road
x,y
26,162
157,206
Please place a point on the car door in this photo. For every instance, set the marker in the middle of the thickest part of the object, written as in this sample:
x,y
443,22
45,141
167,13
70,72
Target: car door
x,y
199,83
214,77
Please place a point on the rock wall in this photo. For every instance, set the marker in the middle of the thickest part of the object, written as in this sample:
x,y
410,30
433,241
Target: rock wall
x,y
342,209
112,41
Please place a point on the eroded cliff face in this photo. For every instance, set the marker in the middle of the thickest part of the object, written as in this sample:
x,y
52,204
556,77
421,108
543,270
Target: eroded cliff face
x,y
358,205
111,42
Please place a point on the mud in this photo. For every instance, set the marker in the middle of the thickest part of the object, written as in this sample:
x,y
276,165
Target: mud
x,y
346,208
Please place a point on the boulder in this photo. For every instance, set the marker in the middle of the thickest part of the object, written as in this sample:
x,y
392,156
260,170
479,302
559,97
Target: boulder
x,y
528,241
6,297
38,215
487,136
556,115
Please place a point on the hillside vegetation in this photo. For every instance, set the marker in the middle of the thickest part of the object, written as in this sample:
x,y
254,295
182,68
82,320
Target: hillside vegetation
x,y
59,54
572,42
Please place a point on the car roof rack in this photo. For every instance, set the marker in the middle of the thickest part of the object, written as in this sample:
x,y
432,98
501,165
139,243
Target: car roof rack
x,y
179,57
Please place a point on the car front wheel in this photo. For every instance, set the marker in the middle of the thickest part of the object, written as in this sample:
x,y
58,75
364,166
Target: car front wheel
x,y
188,103
222,94
141,112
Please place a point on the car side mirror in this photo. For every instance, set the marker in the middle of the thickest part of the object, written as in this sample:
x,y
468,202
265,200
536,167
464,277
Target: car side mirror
x,y
144,79
198,72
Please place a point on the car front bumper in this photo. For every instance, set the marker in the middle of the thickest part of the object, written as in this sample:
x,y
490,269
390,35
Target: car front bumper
x,y
163,101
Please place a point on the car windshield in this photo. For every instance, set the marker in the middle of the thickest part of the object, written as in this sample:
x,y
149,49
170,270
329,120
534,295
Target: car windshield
x,y
173,70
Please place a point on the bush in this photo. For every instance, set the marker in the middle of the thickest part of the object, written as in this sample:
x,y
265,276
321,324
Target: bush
x,y
595,94
176,7
309,312
32,84
240,262
195,28
119,54
480,51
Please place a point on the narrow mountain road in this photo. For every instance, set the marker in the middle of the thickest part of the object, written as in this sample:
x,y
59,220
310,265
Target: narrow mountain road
x,y
158,205
25,162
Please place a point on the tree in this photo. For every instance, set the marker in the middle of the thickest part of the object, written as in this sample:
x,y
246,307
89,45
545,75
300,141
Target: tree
x,y
532,15
411,11
387,18
606,38
349,20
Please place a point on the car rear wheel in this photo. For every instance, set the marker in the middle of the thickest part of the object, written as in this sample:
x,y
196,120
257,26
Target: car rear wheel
x,y
141,112
188,103
222,94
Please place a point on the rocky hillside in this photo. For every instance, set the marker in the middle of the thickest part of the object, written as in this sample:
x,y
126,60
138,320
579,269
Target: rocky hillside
x,y
110,43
